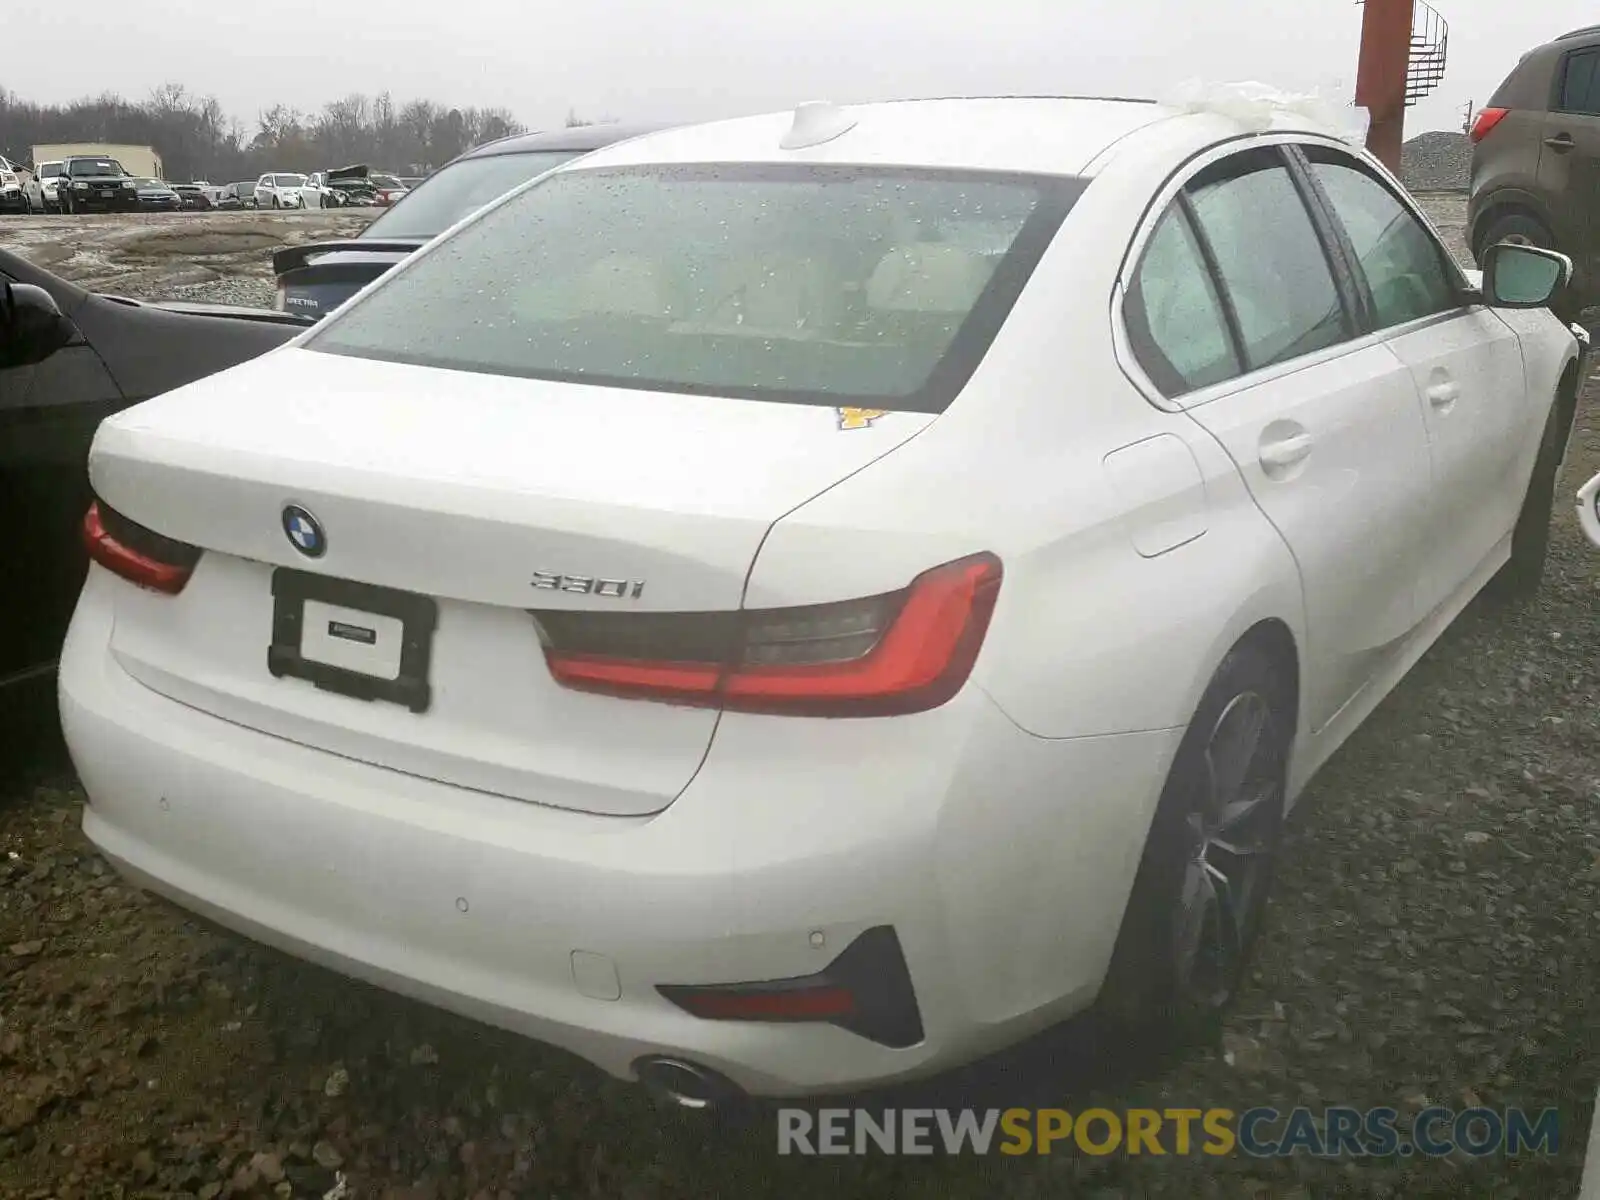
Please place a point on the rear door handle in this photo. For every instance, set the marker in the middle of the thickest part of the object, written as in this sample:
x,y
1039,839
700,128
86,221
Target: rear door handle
x,y
1443,395
1285,452
1560,142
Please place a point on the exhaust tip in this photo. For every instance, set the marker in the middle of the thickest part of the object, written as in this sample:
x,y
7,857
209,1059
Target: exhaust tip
x,y
685,1084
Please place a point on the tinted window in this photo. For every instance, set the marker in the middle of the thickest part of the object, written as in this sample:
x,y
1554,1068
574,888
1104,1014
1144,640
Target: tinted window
x,y
95,166
1579,90
1175,321
809,284
1402,262
463,188
49,170
289,180
1270,259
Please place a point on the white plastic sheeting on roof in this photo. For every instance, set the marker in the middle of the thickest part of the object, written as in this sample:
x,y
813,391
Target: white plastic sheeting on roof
x,y
1259,107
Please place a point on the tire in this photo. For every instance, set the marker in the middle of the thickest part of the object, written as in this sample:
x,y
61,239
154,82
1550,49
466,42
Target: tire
x,y
1519,228
1157,988
1520,578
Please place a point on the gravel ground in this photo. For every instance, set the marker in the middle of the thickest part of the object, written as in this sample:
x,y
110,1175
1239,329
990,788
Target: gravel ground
x,y
220,257
1432,939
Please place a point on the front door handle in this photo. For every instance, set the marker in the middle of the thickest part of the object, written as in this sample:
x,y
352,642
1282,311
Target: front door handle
x,y
1443,395
1285,452
1560,142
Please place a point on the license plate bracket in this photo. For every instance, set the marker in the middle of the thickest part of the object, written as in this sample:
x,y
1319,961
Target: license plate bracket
x,y
418,615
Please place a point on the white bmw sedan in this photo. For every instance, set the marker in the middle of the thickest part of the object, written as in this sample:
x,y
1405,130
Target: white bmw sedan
x,y
804,601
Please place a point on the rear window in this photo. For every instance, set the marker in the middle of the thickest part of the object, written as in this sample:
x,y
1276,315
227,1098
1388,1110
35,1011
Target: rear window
x,y
820,285
95,166
463,188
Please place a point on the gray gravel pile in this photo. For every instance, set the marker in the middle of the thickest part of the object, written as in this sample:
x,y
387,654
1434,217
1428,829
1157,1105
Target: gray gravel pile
x,y
1439,161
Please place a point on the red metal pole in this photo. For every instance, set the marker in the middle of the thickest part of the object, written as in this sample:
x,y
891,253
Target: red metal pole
x,y
1381,75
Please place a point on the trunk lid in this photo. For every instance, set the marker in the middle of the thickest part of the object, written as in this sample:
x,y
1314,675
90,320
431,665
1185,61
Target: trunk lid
x,y
317,278
465,489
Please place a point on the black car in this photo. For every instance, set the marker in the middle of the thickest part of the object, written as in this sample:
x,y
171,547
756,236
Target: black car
x,y
68,359
192,196
155,196
315,279
94,183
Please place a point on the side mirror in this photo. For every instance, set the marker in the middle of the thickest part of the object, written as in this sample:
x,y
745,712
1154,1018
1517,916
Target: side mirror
x,y
32,328
1589,509
1524,276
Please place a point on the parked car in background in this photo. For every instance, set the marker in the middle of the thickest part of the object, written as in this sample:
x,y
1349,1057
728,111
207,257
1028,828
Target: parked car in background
x,y
410,182
13,178
112,353
40,190
315,279
194,197
350,186
387,190
279,190
662,446
96,184
239,195
157,196
316,193
1536,159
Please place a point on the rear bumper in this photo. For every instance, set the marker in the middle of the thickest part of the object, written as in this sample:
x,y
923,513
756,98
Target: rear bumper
x,y
1001,861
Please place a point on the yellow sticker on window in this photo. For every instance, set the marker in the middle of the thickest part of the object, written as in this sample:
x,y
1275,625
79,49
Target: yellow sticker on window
x,y
859,418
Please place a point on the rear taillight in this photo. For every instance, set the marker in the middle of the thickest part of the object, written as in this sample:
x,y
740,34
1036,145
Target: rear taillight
x,y
139,555
1488,118
901,652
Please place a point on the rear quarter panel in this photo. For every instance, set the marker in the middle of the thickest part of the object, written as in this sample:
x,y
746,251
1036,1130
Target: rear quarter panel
x,y
1089,635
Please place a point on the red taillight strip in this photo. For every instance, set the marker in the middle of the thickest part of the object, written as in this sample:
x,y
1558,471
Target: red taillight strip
x,y
930,647
1487,119
920,661
133,566
690,683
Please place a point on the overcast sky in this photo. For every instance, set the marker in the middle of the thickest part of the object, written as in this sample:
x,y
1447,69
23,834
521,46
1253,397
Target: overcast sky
x,y
690,59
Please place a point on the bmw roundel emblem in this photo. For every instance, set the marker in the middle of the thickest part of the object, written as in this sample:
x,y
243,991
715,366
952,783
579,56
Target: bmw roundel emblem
x,y
305,531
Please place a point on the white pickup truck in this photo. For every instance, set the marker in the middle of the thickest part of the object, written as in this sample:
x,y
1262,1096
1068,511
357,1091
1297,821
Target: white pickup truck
x,y
12,180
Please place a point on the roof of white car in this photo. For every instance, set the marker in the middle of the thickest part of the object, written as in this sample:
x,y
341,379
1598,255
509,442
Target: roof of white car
x,y
1031,134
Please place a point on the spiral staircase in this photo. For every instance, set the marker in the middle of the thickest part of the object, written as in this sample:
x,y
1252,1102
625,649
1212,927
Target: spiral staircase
x,y
1430,39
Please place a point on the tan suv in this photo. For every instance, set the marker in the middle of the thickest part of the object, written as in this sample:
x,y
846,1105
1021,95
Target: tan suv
x,y
1536,159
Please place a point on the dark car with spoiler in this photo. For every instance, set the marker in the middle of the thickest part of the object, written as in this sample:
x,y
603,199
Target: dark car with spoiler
x,y
68,359
315,279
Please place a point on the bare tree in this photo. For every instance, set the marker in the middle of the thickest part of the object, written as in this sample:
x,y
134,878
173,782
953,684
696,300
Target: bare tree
x,y
196,138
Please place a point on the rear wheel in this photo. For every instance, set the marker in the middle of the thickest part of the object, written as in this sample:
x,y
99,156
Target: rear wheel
x,y
1208,863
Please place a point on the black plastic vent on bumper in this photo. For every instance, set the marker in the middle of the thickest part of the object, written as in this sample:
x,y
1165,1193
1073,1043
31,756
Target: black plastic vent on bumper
x,y
866,990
